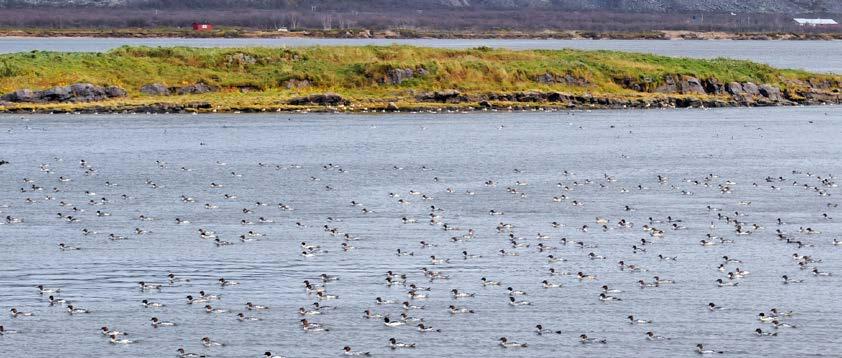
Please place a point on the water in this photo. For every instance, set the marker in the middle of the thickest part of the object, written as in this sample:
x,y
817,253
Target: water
x,y
463,151
818,56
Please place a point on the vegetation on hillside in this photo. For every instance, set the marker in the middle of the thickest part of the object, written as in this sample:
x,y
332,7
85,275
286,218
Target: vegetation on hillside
x,y
371,73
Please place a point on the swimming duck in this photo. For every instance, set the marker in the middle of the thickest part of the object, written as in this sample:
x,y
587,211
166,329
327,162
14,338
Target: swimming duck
x,y
513,302
394,344
73,310
253,307
584,339
653,337
456,310
158,323
114,340
505,343
348,352
423,328
208,343
633,320
760,332
701,350
389,323
540,330
242,318
150,304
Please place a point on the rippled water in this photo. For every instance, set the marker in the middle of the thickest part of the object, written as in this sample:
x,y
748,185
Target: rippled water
x,y
819,56
463,151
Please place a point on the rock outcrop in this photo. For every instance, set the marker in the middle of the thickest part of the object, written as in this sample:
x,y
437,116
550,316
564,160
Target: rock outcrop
x,y
77,92
566,79
396,76
324,99
446,96
157,89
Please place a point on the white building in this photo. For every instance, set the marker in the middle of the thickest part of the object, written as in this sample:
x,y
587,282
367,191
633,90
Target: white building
x,y
816,22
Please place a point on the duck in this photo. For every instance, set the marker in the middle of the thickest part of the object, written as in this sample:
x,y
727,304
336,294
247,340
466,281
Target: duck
x,y
115,340
422,328
721,283
225,283
368,314
242,318
208,343
457,310
505,343
150,304
653,337
759,332
393,324
661,281
56,301
45,290
158,323
582,276
73,310
210,309
183,354
700,348
605,298
816,272
348,352
774,313
394,344
633,320
191,300
107,332
547,284
149,286
513,302
605,289
253,307
486,282
457,294
584,339
308,326
513,292
15,313
268,354
540,330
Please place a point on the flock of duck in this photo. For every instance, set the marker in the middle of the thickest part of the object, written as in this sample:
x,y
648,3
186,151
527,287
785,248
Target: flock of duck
x,y
70,194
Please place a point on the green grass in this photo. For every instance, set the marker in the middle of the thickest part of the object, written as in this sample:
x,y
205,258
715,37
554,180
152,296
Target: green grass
x,y
356,71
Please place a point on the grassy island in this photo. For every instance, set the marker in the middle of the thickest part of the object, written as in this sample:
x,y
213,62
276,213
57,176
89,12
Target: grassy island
x,y
390,78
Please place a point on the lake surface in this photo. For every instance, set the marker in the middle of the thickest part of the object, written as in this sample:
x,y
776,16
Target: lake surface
x,y
819,56
316,165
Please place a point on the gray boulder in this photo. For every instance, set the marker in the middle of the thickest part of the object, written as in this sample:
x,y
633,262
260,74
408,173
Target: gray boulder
x,y
734,88
155,89
448,96
751,89
669,86
396,76
771,92
692,85
325,99
77,92
196,88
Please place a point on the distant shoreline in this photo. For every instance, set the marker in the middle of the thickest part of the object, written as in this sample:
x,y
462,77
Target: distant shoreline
x,y
225,32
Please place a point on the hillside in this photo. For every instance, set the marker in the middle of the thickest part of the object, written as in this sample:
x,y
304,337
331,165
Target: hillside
x,y
713,6
397,77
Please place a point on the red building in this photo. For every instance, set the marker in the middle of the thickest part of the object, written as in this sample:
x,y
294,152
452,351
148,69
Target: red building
x,y
202,27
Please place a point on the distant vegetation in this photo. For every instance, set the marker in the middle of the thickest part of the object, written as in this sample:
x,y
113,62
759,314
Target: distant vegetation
x,y
397,18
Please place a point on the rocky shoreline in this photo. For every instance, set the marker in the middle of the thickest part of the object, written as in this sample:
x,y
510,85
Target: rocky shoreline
x,y
673,91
